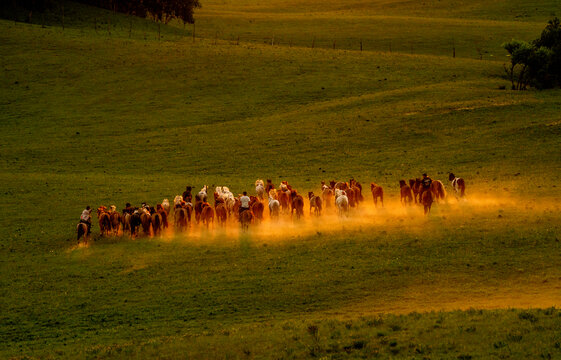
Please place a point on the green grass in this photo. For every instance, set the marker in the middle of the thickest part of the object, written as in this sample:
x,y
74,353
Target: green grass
x,y
88,118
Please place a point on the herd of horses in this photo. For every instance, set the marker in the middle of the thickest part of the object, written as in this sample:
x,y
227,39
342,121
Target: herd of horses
x,y
285,199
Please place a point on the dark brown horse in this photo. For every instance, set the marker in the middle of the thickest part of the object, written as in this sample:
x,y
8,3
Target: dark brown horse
x,y
427,199
157,223
297,204
377,193
406,193
316,203
257,208
82,232
221,213
246,217
415,185
181,217
284,200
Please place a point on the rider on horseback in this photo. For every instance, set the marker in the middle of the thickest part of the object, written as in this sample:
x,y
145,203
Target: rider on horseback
x,y
86,218
425,184
244,202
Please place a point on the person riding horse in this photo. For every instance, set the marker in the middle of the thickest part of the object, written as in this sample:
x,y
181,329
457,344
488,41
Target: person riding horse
x,y
425,184
244,202
86,218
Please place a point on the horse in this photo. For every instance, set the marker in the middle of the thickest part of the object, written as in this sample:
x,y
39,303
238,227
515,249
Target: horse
x,y
284,200
246,217
377,193
355,184
458,185
164,214
181,217
341,202
315,203
115,219
165,206
202,195
274,206
145,220
104,220
406,193
427,199
207,214
257,208
221,213
82,232
126,222
415,185
327,196
135,221
297,204
157,222
351,196
269,186
236,208
260,189
437,187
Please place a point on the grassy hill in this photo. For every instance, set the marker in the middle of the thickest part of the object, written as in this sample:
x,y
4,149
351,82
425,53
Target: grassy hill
x,y
92,118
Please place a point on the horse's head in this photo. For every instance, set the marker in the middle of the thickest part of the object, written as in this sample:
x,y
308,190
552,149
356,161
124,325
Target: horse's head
x,y
401,183
451,176
310,194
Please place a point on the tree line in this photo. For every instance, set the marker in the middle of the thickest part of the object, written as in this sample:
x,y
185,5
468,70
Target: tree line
x,y
159,10
536,63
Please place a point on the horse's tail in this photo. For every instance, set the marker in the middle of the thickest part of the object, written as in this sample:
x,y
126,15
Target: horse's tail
x,y
442,191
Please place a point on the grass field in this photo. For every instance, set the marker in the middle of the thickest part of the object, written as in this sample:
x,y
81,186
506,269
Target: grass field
x,y
92,118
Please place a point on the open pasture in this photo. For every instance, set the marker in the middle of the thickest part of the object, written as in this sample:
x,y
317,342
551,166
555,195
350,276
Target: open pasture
x,y
91,119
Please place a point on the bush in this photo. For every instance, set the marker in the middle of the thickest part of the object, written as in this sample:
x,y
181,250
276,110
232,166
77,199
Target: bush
x,y
537,63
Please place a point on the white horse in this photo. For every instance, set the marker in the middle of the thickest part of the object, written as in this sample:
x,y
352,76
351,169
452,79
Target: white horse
x,y
177,200
202,195
274,207
226,195
260,189
342,202
165,205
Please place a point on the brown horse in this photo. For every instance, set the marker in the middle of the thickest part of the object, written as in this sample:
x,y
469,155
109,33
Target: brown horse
x,y
406,193
351,195
82,231
257,208
164,214
297,204
246,217
315,203
415,185
355,184
236,208
327,196
437,187
377,193
115,219
146,221
269,186
284,200
126,222
104,220
207,214
181,217
221,213
157,223
427,199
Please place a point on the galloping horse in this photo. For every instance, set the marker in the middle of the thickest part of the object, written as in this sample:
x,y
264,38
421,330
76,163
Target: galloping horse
x,y
377,193
342,202
104,220
406,193
315,203
297,204
437,187
82,231
458,184
427,199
